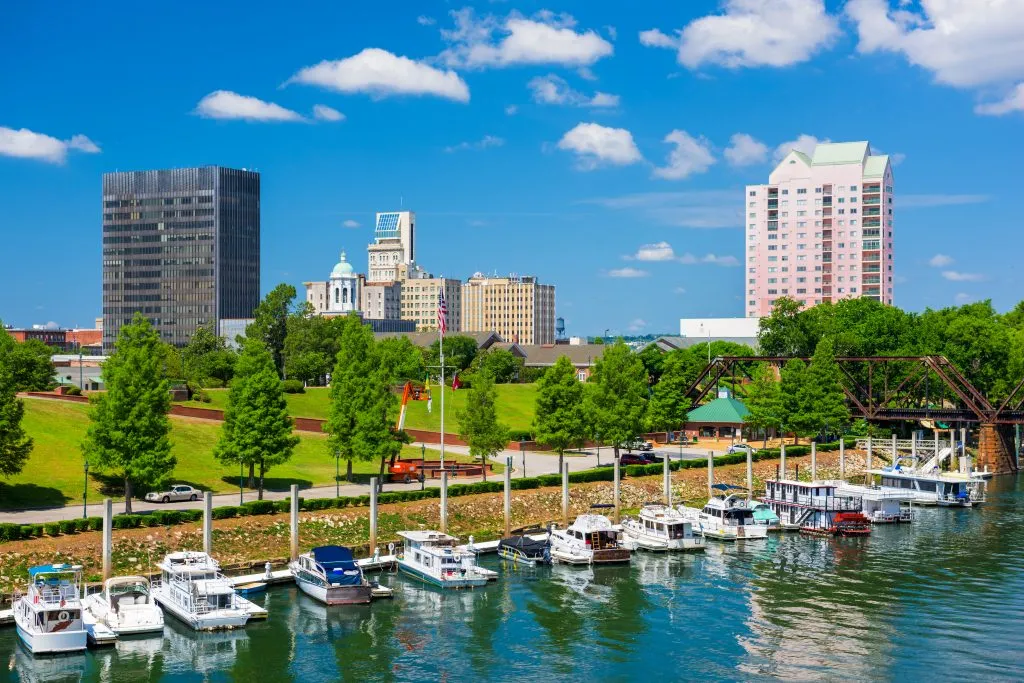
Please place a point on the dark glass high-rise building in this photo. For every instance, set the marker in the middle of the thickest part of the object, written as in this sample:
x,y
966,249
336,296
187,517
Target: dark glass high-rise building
x,y
182,246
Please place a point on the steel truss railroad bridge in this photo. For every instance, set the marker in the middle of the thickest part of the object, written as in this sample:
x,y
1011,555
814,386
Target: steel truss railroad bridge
x,y
898,388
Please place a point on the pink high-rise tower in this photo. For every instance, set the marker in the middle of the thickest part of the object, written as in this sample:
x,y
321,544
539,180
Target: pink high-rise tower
x,y
821,229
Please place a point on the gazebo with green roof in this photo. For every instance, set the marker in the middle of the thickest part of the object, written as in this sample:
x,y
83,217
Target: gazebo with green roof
x,y
721,418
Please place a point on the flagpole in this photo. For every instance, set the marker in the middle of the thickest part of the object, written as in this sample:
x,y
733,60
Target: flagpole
x,y
440,341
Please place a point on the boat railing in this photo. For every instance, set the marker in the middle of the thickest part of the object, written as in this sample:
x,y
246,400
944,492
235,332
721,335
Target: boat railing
x,y
54,595
833,503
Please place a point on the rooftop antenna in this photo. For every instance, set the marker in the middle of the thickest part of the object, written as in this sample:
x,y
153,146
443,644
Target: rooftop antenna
x,y
401,201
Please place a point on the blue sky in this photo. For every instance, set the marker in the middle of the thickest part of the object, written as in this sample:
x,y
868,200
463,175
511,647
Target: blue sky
x,y
601,148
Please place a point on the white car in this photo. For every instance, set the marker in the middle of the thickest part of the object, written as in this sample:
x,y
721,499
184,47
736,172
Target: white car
x,y
741,448
176,493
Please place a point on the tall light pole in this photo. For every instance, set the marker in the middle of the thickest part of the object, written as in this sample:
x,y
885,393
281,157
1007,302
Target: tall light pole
x,y
597,438
337,474
522,450
241,499
85,493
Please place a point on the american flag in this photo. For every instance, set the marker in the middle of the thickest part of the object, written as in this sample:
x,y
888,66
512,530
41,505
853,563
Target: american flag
x,y
442,314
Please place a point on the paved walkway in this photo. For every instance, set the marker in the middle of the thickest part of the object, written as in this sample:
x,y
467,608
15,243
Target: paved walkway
x,y
537,463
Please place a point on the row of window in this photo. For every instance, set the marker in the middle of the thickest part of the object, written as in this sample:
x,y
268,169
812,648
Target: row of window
x,y
156,201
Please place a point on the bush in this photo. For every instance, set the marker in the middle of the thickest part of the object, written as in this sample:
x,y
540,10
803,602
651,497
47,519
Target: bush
x,y
225,512
27,531
127,521
10,532
258,507
281,506
52,528
294,386
68,526
201,396
73,391
520,435
37,530
213,383
190,515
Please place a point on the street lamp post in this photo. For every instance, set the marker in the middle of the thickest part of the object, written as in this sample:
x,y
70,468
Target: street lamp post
x,y
85,492
337,474
522,451
241,499
597,440
423,471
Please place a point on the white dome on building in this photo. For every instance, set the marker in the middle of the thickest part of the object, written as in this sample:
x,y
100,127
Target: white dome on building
x,y
343,268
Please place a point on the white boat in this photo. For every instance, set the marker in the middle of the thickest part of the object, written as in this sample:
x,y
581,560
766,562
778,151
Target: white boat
x,y
49,614
431,556
530,549
765,516
726,518
331,575
879,505
192,589
590,539
815,507
932,487
660,527
125,606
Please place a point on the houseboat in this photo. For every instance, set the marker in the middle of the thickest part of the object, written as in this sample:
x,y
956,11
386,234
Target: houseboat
x,y
192,589
331,575
726,518
765,516
126,606
432,557
660,527
880,506
948,489
590,539
530,549
48,615
816,508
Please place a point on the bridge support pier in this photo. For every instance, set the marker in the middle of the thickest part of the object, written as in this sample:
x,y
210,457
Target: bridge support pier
x,y
995,449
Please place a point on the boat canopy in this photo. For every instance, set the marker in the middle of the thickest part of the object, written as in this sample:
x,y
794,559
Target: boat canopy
x,y
53,569
338,563
728,487
525,544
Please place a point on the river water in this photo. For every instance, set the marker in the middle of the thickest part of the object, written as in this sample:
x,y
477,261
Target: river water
x,y
940,599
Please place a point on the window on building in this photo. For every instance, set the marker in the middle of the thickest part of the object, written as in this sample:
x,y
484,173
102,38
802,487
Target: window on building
x,y
842,211
753,193
841,200
853,188
853,221
802,190
785,192
751,215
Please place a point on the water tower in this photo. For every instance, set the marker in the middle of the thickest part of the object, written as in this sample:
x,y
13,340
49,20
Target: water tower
x,y
559,328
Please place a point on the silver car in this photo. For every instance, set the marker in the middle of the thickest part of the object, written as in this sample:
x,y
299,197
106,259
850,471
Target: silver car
x,y
176,493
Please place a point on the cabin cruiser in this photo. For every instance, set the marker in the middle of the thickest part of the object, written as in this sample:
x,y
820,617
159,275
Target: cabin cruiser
x,y
764,515
815,507
590,539
192,588
49,614
880,505
526,548
660,527
431,556
125,606
331,575
932,487
726,517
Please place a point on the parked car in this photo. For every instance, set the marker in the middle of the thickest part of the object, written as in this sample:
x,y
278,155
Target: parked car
x,y
635,459
741,448
175,493
638,445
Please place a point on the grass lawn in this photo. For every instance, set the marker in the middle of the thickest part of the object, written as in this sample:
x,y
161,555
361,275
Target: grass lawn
x,y
515,406
54,474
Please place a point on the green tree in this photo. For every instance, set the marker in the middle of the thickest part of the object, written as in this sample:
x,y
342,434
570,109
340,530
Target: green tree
x,y
352,389
822,399
559,419
501,364
764,401
15,445
401,359
478,423
129,433
782,333
257,429
616,397
207,357
29,362
669,404
793,418
654,361
459,352
311,345
270,322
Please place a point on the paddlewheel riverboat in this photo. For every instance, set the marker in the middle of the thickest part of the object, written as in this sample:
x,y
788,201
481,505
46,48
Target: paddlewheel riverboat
x,y
815,507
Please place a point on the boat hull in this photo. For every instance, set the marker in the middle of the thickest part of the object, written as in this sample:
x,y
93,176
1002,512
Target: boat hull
x,y
453,583
653,544
336,595
216,620
521,558
611,556
52,643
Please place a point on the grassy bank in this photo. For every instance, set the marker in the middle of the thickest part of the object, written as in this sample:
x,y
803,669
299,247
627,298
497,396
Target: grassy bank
x,y
515,406
54,473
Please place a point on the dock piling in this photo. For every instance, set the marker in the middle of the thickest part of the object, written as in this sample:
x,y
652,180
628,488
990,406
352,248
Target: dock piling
x,y
867,462
373,516
814,461
895,449
508,496
842,458
667,477
711,472
294,522
782,461
565,494
913,446
618,488
207,522
750,475
963,449
108,534
444,502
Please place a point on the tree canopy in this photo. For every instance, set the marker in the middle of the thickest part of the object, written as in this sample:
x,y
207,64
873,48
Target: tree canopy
x,y
559,420
501,364
15,444
616,396
479,424
668,406
764,401
459,352
129,431
207,357
29,362
270,322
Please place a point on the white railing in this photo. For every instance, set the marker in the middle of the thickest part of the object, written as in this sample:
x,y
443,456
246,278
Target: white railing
x,y
50,595
885,445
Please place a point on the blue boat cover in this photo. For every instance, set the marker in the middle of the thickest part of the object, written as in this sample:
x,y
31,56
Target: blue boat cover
x,y
727,487
339,565
49,569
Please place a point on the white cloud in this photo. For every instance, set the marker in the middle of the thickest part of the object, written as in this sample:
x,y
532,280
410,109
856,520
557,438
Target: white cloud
x,y
923,201
595,144
659,251
586,73
726,261
324,113
224,104
612,32
897,158
964,43
552,89
679,290
690,156
698,209
511,110
546,38
485,142
804,143
963,298
381,74
423,20
26,144
627,272
956,276
637,324
1014,101
349,223
940,261
744,150
752,33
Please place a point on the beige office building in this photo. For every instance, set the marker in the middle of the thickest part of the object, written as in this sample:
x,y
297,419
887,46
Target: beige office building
x,y
382,300
518,308
420,299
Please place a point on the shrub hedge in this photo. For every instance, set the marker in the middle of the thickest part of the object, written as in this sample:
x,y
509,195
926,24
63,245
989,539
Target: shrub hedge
x,y
293,386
